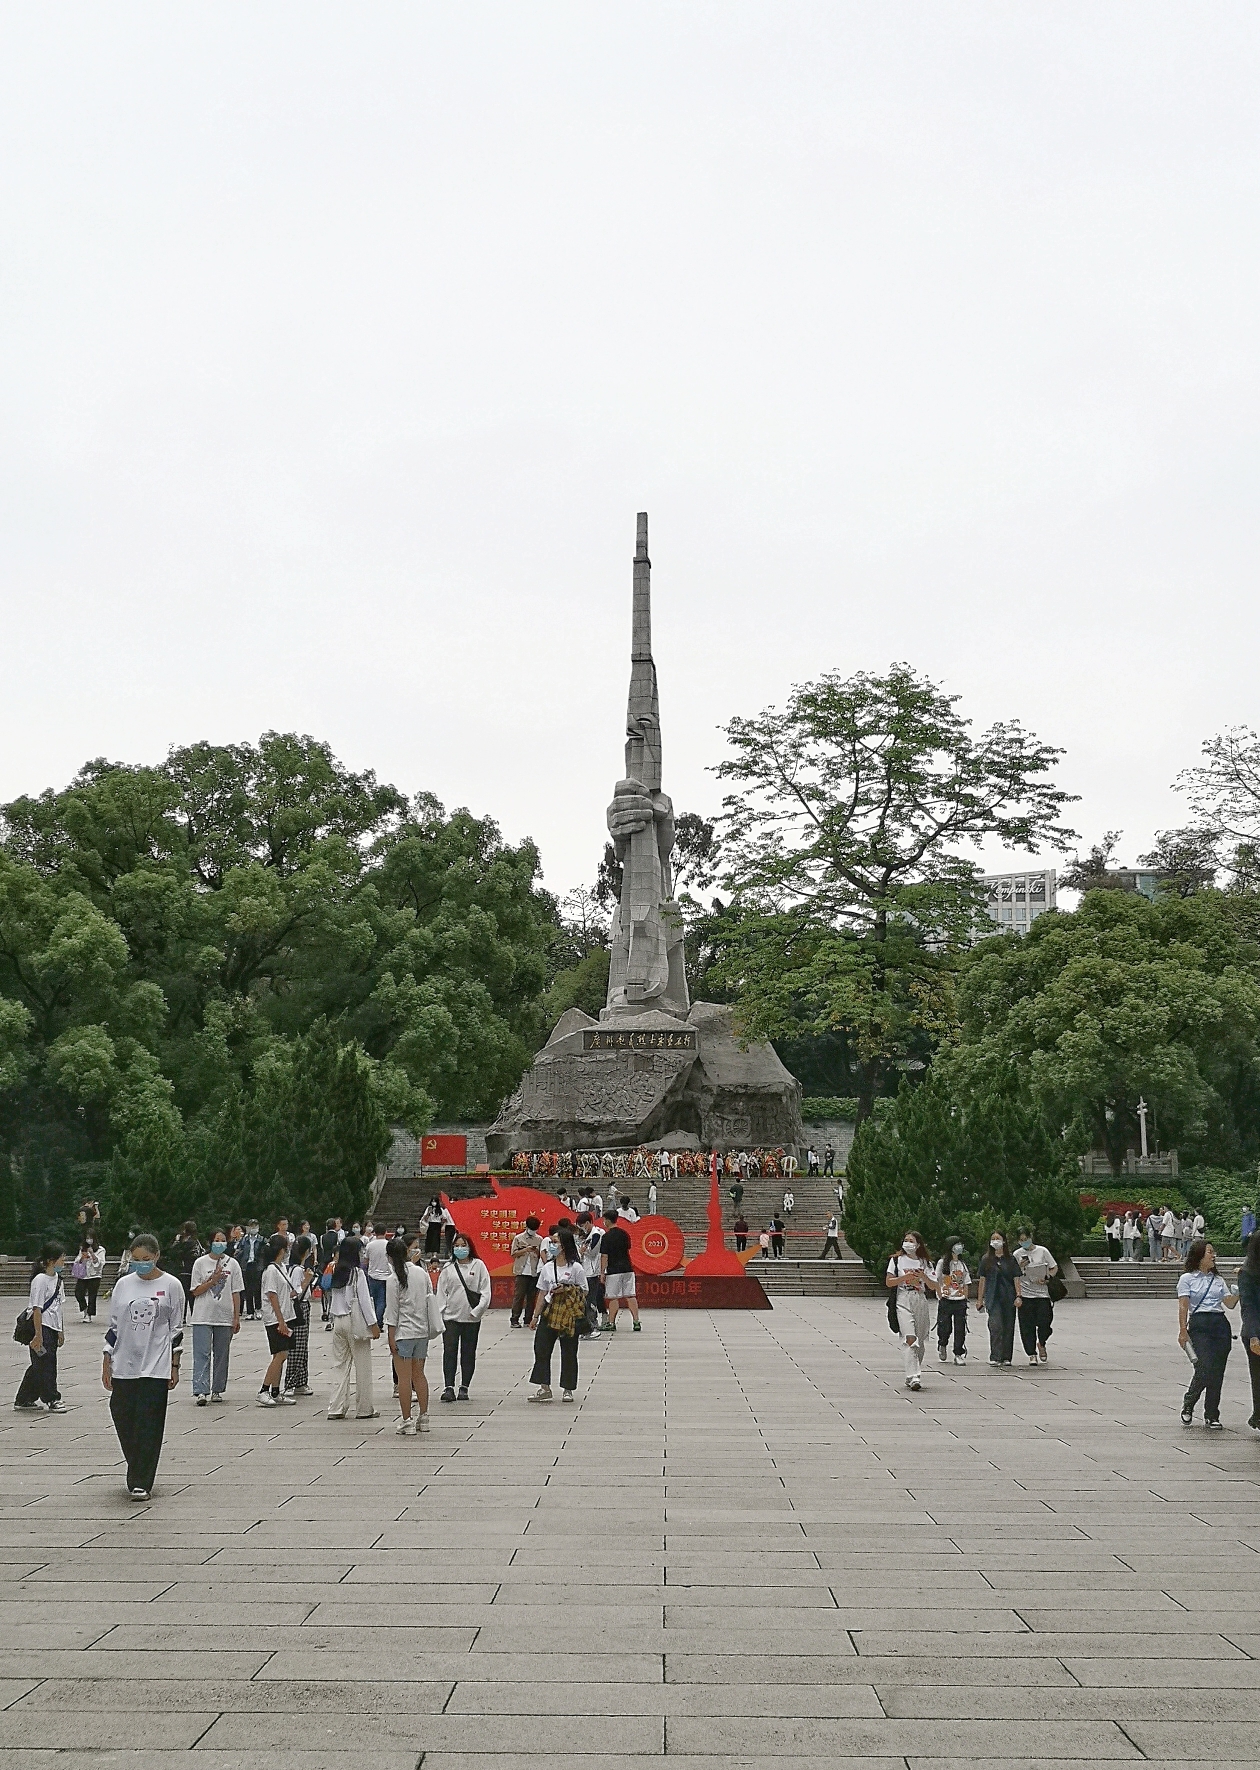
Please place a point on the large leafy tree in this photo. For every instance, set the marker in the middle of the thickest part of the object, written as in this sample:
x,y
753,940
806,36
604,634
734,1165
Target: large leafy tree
x,y
172,937
843,853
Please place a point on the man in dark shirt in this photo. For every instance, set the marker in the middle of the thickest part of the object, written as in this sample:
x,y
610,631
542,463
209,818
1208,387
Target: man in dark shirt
x,y
776,1236
329,1242
251,1257
617,1272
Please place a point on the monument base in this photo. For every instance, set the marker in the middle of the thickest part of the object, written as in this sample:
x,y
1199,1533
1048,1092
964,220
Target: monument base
x,y
674,1291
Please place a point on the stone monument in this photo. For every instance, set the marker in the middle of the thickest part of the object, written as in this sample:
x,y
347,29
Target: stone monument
x,y
653,1069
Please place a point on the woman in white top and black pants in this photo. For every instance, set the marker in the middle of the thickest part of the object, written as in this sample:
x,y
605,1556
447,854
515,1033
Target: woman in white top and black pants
x,y
1202,1299
354,1329
562,1287
38,1389
464,1296
279,1311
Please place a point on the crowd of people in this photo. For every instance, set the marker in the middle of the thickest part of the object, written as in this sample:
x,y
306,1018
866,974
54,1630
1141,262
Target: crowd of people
x,y
664,1164
1164,1235
572,1280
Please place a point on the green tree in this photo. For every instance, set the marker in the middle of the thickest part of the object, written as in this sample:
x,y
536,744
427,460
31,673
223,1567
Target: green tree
x,y
960,1154
841,851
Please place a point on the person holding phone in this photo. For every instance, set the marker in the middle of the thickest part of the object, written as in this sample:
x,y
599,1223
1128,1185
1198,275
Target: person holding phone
x,y
1036,1312
911,1275
216,1286
998,1294
301,1275
140,1359
279,1312
1203,1331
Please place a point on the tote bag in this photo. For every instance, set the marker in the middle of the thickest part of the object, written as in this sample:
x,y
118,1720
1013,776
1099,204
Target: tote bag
x,y
359,1328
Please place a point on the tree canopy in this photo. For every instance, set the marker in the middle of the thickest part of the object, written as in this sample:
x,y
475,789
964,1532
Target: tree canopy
x,y
194,954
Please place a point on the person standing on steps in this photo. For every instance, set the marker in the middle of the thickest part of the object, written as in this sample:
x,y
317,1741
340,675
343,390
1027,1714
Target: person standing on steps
x,y
526,1245
651,1198
217,1288
1036,1312
910,1276
953,1287
617,1271
1203,1330
354,1329
998,1295
741,1233
832,1243
38,1391
829,1159
562,1287
776,1236
278,1317
789,1201
407,1294
464,1297
1249,1297
140,1363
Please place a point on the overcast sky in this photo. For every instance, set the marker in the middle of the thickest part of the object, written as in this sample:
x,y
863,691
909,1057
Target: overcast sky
x,y
339,346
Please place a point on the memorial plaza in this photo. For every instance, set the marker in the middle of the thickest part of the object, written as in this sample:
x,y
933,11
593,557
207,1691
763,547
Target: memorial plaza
x,y
746,1544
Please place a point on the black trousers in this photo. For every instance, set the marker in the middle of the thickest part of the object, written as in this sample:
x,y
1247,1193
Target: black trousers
x,y
39,1383
85,1290
1212,1338
138,1407
544,1343
595,1291
459,1342
1253,1367
776,1246
951,1315
1036,1317
1001,1313
829,1244
741,1244
253,1290
523,1293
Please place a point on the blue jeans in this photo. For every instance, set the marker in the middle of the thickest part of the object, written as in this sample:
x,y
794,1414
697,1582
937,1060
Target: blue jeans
x,y
210,1343
377,1288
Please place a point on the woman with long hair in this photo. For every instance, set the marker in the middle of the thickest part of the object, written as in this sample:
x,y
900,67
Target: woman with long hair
x,y
910,1276
432,1220
38,1391
407,1293
279,1314
1249,1297
1203,1333
217,1288
354,1329
562,1287
464,1295
301,1275
90,1268
998,1295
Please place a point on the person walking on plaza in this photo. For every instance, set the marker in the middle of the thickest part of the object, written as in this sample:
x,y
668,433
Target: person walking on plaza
x,y
1203,1331
407,1322
354,1329
378,1271
301,1276
182,1256
217,1288
140,1364
910,1276
464,1297
590,1242
38,1391
1247,1228
329,1242
1249,1297
1114,1232
616,1268
562,1287
1036,1312
832,1243
741,1233
251,1257
953,1287
998,1295
525,1250
279,1312
87,1284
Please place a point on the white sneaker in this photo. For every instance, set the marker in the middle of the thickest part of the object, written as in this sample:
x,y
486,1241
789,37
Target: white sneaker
x,y
543,1393
1033,1361
422,1423
960,1358
286,1398
405,1428
217,1395
913,1383
136,1493
266,1399
566,1395
57,1407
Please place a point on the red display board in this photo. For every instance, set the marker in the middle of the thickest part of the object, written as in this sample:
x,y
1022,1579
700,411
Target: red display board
x,y
443,1152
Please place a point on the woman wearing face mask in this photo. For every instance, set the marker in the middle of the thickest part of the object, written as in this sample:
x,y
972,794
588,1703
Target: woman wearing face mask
x,y
279,1314
90,1267
998,1295
910,1276
953,1286
1036,1312
407,1293
141,1360
354,1329
562,1287
217,1286
464,1296
38,1391
301,1275
1202,1299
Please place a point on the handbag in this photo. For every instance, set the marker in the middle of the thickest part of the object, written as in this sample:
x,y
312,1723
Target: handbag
x,y
79,1269
359,1329
24,1326
433,1310
892,1299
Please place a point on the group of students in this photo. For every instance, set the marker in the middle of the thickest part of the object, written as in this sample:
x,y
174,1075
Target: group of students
x,y
1167,1234
1011,1286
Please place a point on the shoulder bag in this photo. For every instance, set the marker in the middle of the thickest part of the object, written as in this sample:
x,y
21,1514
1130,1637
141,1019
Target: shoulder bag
x,y
24,1326
433,1309
892,1298
359,1328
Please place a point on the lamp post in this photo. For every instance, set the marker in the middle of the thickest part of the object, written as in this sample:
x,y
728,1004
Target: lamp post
x,y
1142,1110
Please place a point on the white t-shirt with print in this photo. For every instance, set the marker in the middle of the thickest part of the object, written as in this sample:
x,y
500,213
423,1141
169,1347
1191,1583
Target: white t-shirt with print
x,y
146,1320
903,1263
213,1308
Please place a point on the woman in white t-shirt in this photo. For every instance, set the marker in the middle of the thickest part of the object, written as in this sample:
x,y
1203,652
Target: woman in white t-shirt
x,y
38,1391
911,1276
1203,1331
278,1311
216,1287
407,1293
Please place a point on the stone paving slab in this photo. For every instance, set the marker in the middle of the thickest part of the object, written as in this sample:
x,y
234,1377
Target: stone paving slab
x,y
747,1545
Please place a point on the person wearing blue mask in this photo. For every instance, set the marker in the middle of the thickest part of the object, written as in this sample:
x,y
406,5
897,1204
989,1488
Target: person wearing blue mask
x,y
140,1366
216,1288
464,1296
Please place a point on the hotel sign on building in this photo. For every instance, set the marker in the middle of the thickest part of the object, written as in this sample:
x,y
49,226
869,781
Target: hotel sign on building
x,y
1014,900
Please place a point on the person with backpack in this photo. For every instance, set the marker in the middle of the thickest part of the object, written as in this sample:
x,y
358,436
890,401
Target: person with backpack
x,y
590,1242
251,1257
1203,1331
909,1277
38,1392
408,1291
279,1313
562,1289
998,1295
953,1287
464,1297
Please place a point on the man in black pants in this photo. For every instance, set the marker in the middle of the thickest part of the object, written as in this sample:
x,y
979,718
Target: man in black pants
x,y
251,1257
329,1242
141,1360
776,1236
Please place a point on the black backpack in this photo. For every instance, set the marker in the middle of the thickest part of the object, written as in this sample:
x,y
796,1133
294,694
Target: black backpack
x,y
891,1294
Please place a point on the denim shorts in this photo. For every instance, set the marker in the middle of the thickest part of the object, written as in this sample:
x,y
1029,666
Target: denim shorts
x,y
409,1349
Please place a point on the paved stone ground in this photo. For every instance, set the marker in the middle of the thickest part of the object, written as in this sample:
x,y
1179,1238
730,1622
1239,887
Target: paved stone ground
x,y
746,1546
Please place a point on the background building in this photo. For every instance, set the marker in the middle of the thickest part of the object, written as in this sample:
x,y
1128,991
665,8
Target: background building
x,y
1016,899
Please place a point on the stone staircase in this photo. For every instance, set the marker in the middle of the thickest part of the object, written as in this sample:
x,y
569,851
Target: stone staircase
x,y
1130,1278
815,1278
